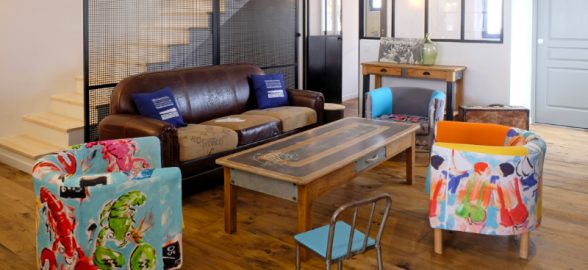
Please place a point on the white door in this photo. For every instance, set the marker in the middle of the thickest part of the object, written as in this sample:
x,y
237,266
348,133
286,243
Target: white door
x,y
561,96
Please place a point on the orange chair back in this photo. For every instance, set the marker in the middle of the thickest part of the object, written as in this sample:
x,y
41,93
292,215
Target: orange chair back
x,y
471,133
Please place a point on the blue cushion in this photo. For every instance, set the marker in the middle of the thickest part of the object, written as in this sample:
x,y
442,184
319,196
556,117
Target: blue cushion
x,y
270,90
381,101
317,240
159,105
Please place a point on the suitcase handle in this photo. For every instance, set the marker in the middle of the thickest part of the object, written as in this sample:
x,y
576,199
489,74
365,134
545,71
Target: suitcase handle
x,y
496,105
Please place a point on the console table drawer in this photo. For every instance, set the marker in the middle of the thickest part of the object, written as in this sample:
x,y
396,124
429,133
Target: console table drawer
x,y
387,71
370,160
426,74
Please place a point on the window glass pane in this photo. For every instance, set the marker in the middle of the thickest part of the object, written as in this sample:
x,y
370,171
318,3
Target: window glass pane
x,y
410,19
445,19
332,17
375,4
483,20
372,19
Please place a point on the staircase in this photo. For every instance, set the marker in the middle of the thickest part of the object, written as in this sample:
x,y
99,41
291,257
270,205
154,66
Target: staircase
x,y
46,132
152,44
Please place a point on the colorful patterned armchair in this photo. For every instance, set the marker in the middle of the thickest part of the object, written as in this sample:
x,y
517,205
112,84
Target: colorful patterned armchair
x,y
409,105
108,205
486,179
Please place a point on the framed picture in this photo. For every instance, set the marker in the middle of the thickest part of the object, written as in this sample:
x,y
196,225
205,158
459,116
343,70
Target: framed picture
x,y
401,50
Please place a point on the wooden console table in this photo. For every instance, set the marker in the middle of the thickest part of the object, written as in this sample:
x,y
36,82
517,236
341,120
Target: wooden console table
x,y
453,75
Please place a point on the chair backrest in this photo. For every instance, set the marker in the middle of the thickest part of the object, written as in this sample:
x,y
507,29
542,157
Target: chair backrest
x,y
400,100
471,133
373,201
124,155
412,100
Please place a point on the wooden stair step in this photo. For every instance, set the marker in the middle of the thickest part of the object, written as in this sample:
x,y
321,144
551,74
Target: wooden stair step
x,y
79,85
54,121
70,98
28,147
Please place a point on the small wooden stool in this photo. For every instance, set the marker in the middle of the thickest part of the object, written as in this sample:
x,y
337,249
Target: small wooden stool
x,y
333,112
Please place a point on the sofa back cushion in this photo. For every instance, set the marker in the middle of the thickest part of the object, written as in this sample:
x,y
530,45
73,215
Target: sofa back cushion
x,y
202,93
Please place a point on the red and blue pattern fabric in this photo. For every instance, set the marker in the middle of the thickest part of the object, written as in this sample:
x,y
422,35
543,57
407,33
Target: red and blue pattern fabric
x,y
108,205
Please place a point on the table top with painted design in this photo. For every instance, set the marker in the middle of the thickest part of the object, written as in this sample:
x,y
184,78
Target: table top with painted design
x,y
306,156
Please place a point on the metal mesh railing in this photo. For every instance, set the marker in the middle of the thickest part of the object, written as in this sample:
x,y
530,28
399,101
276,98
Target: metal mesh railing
x,y
127,37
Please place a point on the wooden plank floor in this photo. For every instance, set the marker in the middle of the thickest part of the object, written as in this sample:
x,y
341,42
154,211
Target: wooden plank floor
x,y
266,225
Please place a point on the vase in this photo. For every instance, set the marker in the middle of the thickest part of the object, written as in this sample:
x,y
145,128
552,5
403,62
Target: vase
x,y
429,51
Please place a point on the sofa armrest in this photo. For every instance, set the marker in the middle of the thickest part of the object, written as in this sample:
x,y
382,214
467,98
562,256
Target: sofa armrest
x,y
117,126
310,99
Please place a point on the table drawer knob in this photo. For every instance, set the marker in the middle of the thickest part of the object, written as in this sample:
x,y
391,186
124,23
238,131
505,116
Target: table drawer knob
x,y
370,160
383,70
426,73
373,159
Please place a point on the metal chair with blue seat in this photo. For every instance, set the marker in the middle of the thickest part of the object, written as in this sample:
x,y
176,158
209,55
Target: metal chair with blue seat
x,y
339,241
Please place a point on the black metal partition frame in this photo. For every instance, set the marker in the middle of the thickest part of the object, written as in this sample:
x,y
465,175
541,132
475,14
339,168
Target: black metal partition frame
x,y
127,37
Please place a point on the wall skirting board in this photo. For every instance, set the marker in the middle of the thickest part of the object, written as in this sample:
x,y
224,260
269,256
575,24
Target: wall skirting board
x,y
15,160
349,97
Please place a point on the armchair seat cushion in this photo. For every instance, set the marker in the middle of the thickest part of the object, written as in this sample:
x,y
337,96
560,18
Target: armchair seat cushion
x,y
250,128
202,140
292,117
424,123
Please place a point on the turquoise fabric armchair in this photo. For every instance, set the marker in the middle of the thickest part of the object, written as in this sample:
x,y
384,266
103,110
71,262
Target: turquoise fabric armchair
x,y
421,106
107,205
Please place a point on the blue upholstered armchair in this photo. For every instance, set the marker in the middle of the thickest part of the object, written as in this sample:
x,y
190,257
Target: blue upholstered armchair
x,y
408,105
108,204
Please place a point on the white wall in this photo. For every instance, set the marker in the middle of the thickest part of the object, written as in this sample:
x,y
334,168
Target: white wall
x,y
522,53
41,52
487,78
350,50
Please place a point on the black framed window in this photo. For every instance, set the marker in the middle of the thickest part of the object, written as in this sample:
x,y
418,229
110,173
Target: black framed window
x,y
373,18
477,21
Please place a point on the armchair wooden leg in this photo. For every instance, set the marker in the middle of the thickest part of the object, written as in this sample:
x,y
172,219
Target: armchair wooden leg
x,y
438,241
524,248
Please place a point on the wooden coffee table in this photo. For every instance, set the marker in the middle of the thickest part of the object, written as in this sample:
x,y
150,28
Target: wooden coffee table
x,y
301,167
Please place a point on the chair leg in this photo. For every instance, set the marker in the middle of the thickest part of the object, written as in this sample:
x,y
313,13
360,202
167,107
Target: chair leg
x,y
524,248
438,241
297,256
340,265
379,257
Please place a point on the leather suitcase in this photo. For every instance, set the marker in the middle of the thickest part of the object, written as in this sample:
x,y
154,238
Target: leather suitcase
x,y
513,116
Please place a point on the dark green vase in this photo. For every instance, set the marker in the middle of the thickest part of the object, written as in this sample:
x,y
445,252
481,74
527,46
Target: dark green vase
x,y
429,51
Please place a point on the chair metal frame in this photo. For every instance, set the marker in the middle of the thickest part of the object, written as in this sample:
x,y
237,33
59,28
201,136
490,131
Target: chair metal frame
x,y
355,205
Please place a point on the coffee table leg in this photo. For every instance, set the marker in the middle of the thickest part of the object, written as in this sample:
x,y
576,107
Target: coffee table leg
x,y
410,161
304,216
230,203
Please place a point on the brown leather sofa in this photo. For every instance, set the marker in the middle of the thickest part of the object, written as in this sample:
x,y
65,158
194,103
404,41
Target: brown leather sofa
x,y
203,94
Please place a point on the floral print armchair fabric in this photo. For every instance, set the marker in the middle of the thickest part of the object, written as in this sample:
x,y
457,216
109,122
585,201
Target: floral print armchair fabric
x,y
108,205
421,106
486,179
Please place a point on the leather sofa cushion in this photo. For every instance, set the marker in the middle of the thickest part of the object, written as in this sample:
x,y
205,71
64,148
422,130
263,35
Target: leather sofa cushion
x,y
201,140
250,128
292,117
